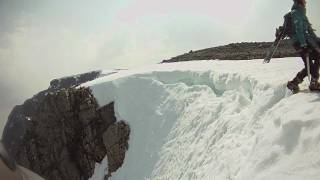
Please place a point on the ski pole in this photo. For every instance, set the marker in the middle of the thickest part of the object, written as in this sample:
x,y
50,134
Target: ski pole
x,y
308,66
272,51
275,49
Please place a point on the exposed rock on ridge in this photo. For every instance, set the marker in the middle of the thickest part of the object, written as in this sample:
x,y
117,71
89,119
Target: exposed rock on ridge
x,y
237,51
71,81
116,141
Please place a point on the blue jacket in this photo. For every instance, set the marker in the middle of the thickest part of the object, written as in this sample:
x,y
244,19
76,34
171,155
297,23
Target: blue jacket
x,y
302,29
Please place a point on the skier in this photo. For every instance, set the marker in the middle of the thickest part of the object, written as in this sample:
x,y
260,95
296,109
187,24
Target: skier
x,y
305,41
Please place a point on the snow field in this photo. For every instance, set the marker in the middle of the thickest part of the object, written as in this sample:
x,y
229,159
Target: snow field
x,y
214,120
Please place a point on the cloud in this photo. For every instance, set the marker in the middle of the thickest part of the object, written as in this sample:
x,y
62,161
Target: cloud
x,y
266,16
228,11
36,55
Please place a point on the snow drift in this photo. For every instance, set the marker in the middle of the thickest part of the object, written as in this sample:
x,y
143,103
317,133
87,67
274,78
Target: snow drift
x,y
224,120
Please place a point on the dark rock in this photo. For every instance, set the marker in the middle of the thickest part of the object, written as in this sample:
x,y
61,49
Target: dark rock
x,y
72,81
116,141
106,113
237,51
59,133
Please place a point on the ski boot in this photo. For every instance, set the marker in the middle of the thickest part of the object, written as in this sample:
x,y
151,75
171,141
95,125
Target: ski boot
x,y
294,85
314,85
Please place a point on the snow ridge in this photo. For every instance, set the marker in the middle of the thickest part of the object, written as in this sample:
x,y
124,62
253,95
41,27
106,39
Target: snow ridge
x,y
214,120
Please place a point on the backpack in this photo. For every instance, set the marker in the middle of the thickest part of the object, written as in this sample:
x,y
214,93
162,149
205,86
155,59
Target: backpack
x,y
286,29
287,24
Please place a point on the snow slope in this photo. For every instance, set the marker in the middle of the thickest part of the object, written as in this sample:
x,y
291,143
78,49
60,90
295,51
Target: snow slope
x,y
220,120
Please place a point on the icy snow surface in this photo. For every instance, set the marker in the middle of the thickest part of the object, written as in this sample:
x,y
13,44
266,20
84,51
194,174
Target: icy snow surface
x,y
101,169
215,120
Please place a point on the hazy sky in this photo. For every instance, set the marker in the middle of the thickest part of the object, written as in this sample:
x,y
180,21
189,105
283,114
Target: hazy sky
x,y
45,39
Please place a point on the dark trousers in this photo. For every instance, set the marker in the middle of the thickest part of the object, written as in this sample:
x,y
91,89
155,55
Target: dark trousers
x,y
314,58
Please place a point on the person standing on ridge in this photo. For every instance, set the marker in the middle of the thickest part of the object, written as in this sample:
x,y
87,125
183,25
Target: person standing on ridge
x,y
306,42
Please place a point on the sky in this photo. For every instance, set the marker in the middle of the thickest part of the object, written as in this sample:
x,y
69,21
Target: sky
x,y
45,39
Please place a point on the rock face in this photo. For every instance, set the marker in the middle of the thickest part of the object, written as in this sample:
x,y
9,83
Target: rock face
x,y
116,142
61,133
72,81
237,51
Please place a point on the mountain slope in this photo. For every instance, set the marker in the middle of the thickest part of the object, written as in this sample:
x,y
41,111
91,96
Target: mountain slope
x,y
214,120
237,51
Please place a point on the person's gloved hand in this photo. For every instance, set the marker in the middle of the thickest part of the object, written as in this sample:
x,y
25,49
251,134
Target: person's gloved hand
x,y
304,50
318,50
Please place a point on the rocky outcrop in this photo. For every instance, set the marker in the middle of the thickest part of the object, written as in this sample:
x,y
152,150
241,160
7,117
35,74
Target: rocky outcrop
x,y
61,133
116,141
237,51
72,81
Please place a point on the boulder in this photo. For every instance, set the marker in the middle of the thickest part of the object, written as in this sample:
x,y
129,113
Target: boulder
x,y
61,133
